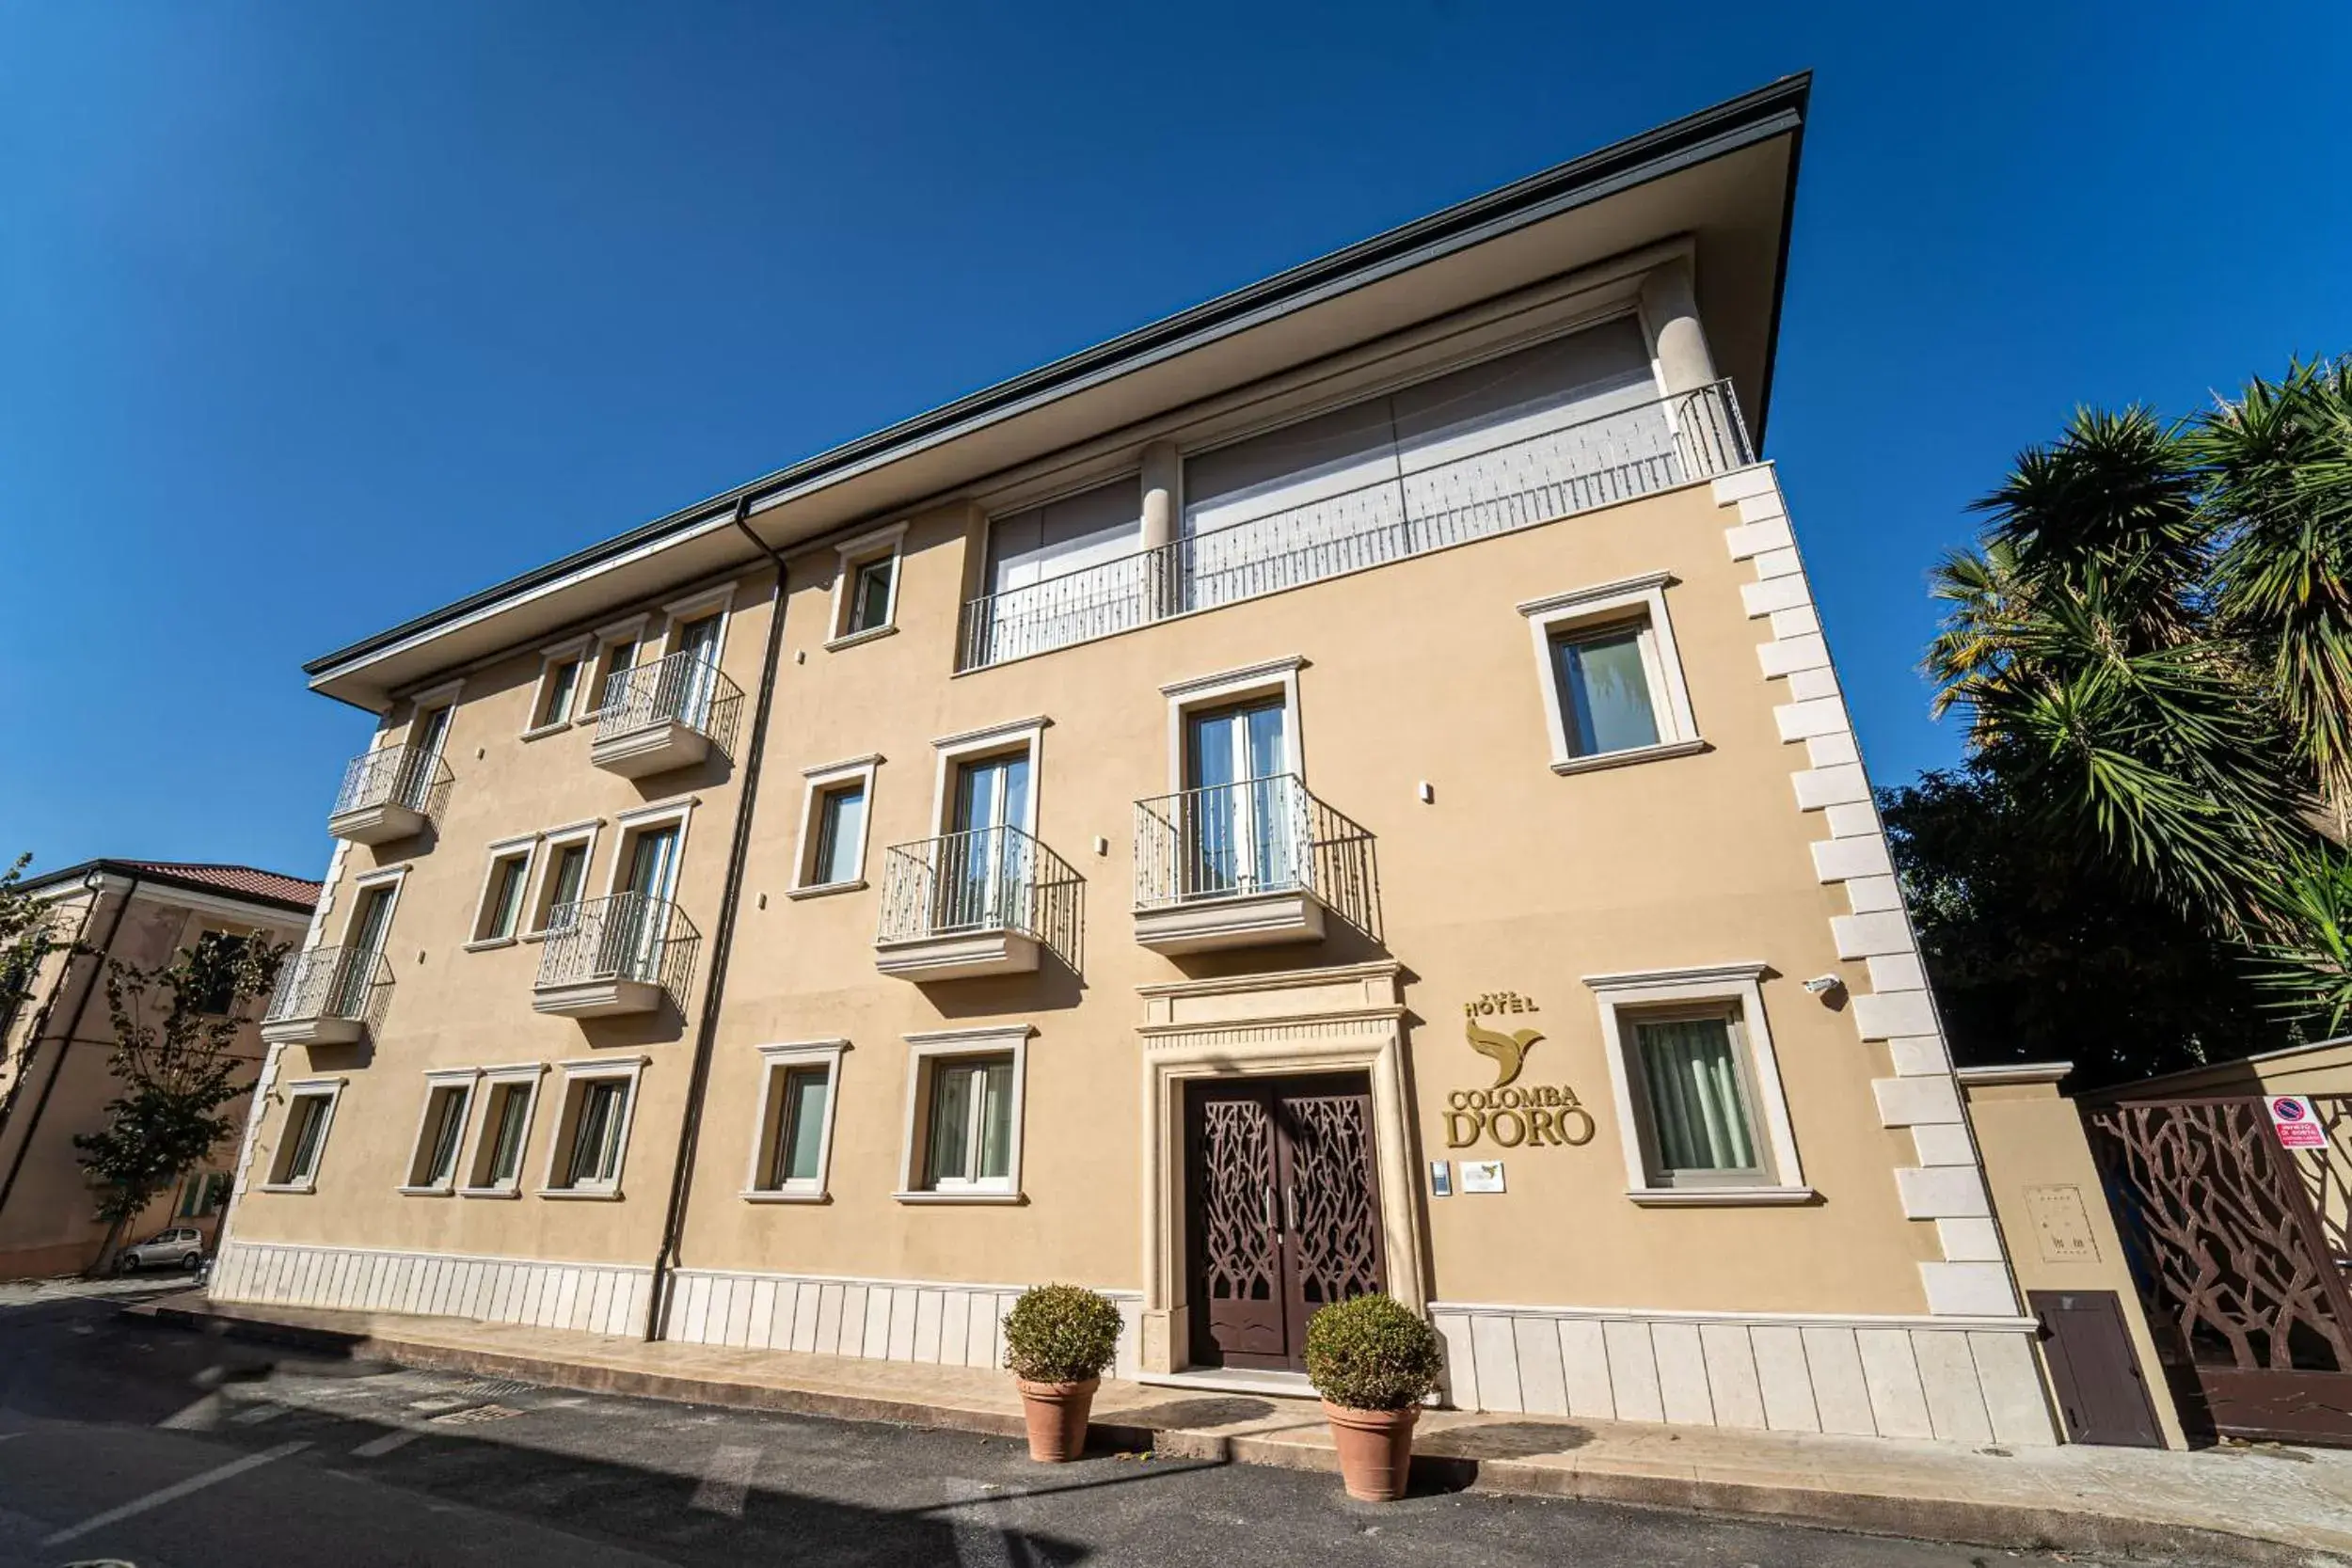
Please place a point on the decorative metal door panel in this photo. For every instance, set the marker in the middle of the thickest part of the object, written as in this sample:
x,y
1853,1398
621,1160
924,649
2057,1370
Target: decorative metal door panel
x,y
1285,1213
2247,1300
1237,1313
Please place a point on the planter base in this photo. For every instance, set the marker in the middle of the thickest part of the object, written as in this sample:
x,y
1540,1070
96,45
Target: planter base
x,y
1375,1450
1056,1415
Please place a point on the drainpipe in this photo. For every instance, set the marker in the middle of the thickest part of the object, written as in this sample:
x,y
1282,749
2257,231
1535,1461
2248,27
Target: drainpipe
x,y
721,946
74,1027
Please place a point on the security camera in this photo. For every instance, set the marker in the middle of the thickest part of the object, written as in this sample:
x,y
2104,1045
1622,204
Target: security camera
x,y
1821,985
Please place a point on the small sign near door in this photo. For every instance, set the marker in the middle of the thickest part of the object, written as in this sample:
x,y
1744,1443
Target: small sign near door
x,y
2290,1118
1482,1176
1440,1179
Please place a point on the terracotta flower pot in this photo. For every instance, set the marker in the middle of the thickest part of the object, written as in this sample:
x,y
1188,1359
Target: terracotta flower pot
x,y
1375,1450
1056,1414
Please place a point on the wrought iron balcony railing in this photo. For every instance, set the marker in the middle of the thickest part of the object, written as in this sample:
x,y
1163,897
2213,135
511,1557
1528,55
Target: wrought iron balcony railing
x,y
986,879
348,984
1258,836
626,937
1598,461
409,776
684,689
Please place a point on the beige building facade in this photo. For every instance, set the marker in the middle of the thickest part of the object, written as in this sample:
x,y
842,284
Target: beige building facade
x,y
1341,790
58,1040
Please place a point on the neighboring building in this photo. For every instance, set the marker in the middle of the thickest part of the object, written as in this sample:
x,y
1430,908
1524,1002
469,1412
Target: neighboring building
x,y
1342,788
57,1043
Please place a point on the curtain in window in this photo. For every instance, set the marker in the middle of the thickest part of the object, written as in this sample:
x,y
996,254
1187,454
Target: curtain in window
x,y
1699,1114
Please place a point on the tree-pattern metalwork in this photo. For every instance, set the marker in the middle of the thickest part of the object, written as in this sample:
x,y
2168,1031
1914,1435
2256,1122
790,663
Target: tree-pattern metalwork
x,y
1238,1257
1336,1222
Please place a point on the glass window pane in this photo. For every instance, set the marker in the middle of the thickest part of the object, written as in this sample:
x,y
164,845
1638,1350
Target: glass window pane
x,y
869,598
840,831
804,1125
309,1119
594,1139
1698,1108
506,1155
996,1121
508,905
1606,691
449,1126
563,684
951,1124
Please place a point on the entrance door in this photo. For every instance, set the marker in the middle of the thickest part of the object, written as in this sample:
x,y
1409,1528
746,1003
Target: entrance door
x,y
423,759
1239,810
634,935
981,869
1284,1213
363,947
697,674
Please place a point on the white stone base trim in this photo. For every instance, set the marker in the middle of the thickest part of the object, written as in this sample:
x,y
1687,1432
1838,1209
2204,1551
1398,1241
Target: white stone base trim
x,y
588,1298
1963,1382
933,1322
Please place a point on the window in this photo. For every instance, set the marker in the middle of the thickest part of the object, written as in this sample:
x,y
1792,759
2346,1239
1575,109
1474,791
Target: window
x,y
618,649
1697,1087
964,1134
793,1144
866,586
563,880
499,917
310,1112
833,826
215,971
1611,677
559,700
442,1131
203,1196
510,1095
592,1134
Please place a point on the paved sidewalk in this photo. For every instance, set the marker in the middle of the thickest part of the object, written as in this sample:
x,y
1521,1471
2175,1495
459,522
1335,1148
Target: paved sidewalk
x,y
2259,1504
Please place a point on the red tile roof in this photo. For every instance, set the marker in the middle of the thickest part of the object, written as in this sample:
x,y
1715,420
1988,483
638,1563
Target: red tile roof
x,y
241,879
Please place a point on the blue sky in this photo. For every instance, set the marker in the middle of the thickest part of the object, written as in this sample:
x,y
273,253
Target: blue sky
x,y
315,317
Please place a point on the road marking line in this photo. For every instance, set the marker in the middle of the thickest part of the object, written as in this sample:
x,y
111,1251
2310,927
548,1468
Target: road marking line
x,y
726,1479
259,1414
173,1493
376,1447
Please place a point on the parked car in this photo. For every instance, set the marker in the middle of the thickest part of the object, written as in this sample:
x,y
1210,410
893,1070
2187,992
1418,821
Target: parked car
x,y
181,1248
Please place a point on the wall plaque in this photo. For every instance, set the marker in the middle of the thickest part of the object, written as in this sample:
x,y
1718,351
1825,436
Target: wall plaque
x,y
2061,1226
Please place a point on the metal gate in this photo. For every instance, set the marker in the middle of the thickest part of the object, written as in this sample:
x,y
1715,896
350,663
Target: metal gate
x,y
2242,1251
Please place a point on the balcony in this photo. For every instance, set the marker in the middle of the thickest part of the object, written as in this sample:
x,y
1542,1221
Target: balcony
x,y
665,715
1613,457
983,902
604,957
327,996
1249,864
391,793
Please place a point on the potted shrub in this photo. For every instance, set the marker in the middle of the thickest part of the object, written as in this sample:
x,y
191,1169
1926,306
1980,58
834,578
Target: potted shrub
x,y
1373,1361
1057,1340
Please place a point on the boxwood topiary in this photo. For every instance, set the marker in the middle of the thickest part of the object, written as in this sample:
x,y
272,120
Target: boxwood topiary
x,y
1060,1334
1373,1353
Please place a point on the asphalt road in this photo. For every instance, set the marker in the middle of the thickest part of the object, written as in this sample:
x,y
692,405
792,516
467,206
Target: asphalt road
x,y
125,1442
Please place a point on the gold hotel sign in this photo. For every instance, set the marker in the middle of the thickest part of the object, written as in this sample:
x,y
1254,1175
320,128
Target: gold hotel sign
x,y
1508,1114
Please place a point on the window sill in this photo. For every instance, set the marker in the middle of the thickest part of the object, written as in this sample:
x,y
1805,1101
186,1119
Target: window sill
x,y
426,1192
835,645
483,945
584,1194
958,1198
561,726
533,936
290,1186
822,889
1632,754
1721,1198
489,1192
771,1196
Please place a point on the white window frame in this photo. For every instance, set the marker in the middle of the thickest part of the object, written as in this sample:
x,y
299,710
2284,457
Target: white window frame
x,y
583,651
719,601
851,556
575,1074
525,1076
553,842
524,847
431,700
393,876
631,629
974,745
329,1089
820,783
1268,678
467,1079
766,1121
1643,600
930,1049
1621,998
628,826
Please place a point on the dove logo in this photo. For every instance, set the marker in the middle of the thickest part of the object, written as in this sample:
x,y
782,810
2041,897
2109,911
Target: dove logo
x,y
1508,1050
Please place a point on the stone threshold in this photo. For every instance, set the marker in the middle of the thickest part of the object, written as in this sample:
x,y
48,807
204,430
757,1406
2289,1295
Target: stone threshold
x,y
2240,1505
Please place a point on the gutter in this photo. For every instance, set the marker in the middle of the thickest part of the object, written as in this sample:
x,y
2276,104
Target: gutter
x,y
74,1027
722,947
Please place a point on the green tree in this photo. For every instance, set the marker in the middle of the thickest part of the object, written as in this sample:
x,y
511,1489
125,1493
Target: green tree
x,y
175,1027
26,928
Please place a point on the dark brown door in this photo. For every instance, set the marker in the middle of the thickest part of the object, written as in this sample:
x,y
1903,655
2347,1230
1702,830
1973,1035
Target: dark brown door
x,y
2100,1391
1284,1213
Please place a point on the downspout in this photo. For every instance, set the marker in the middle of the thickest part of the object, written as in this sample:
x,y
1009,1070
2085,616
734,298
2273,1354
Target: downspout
x,y
721,944
65,1041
